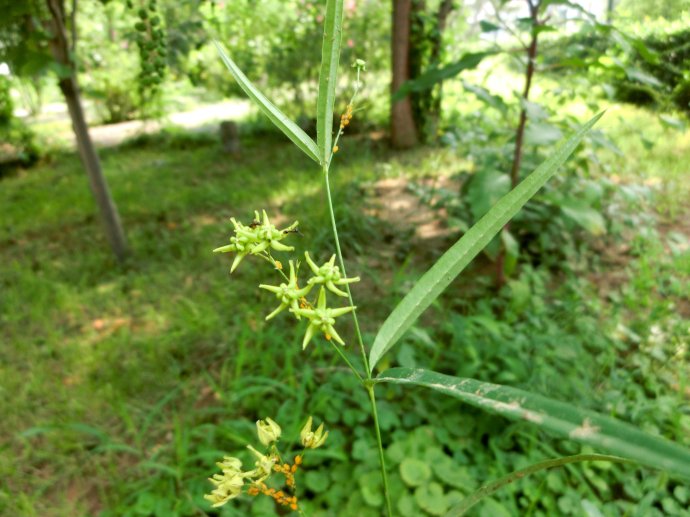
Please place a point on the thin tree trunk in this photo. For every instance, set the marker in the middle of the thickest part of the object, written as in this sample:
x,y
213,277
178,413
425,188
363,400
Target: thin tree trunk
x,y
89,157
442,14
520,132
609,12
426,46
73,26
403,128
529,73
417,57
60,48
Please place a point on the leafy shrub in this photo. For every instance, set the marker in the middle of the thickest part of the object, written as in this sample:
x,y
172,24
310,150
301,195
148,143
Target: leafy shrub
x,y
671,86
18,143
115,101
556,228
172,137
297,300
648,71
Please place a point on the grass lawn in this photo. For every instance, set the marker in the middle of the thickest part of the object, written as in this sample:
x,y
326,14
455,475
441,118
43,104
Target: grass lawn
x,y
121,386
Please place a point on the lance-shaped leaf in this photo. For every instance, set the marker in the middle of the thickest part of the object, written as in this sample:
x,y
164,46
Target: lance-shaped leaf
x,y
328,77
580,425
488,489
453,261
434,76
280,119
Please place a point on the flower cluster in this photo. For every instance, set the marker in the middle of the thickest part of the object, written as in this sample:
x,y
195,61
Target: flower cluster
x,y
346,117
289,294
322,319
258,239
228,485
231,482
328,275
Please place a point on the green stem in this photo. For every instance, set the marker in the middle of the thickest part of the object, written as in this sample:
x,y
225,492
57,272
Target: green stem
x,y
382,460
369,387
269,258
347,361
342,267
492,487
340,129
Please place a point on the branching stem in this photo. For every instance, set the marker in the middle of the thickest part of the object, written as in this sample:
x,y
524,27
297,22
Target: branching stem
x,y
268,257
379,442
368,386
342,267
347,361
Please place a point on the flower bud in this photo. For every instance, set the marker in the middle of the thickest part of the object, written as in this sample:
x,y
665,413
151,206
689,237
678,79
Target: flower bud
x,y
312,439
360,64
268,430
228,485
230,465
264,465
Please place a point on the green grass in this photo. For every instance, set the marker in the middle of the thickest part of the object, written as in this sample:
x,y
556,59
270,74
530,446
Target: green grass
x,y
651,152
121,386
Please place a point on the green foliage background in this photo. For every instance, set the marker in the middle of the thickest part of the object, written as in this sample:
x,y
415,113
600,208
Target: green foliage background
x,y
129,384
122,386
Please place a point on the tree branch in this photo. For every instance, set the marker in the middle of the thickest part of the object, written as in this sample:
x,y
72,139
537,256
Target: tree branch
x,y
59,42
73,27
529,73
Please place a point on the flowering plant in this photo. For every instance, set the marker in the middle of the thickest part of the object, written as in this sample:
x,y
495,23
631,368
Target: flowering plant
x,y
260,238
233,480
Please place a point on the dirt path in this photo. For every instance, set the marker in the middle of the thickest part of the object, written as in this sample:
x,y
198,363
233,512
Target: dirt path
x,y
202,118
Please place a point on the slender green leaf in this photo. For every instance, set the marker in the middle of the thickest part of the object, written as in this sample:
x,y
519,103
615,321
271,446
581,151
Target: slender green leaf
x,y
492,487
488,26
542,133
119,447
436,279
328,77
436,75
88,430
280,119
38,430
161,467
582,214
573,5
495,101
648,54
580,425
672,122
635,74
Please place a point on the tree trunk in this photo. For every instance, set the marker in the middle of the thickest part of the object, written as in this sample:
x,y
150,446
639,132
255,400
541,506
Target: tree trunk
x,y
403,128
426,46
534,6
89,158
418,62
609,11
60,49
529,74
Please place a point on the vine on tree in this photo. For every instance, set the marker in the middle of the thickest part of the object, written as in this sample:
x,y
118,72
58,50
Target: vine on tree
x,y
151,42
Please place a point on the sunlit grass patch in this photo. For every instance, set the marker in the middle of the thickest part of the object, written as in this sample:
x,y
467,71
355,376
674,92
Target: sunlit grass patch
x,y
124,383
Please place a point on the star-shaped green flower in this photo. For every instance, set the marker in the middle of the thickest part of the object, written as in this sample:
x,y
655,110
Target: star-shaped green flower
x,y
270,236
242,243
289,294
255,239
321,319
328,275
